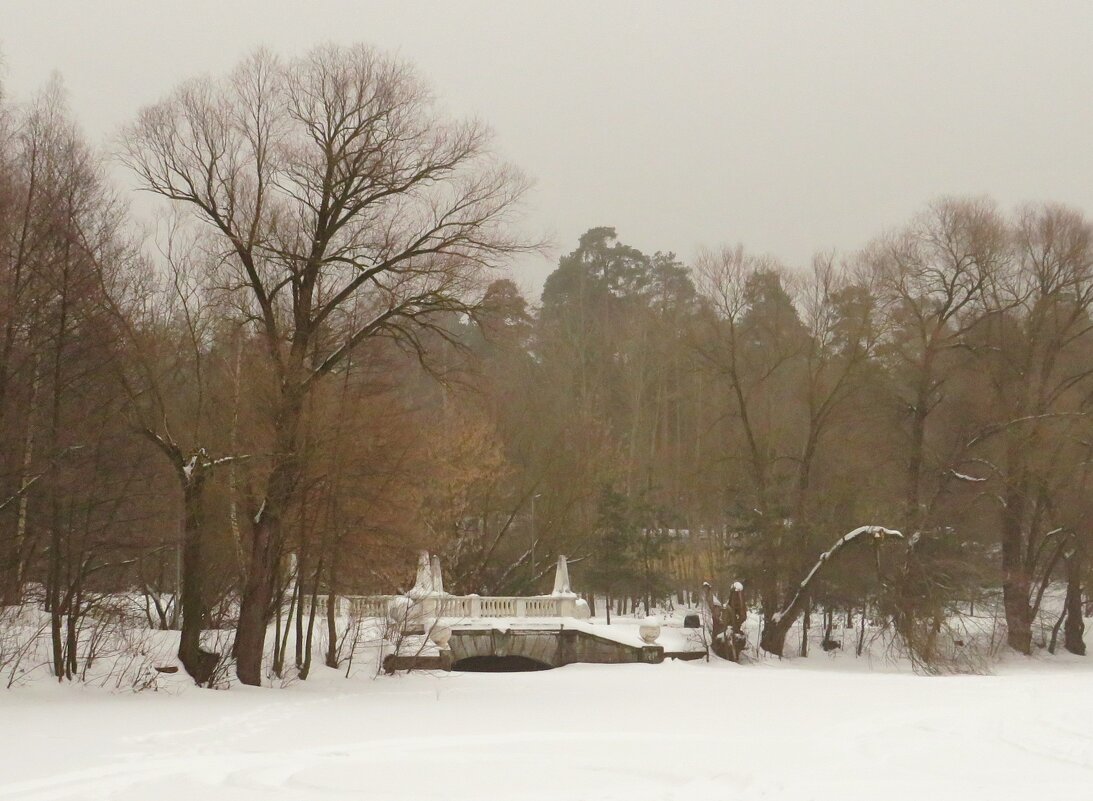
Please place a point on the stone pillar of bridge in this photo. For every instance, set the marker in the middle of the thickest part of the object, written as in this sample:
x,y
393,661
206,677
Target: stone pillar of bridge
x,y
567,599
424,595
438,578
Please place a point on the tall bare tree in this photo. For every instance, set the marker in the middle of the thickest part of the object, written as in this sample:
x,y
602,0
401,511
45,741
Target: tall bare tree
x,y
932,277
1034,344
332,183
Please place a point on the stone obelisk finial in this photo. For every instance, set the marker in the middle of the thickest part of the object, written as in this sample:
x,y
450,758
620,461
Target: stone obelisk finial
x,y
437,576
561,578
423,584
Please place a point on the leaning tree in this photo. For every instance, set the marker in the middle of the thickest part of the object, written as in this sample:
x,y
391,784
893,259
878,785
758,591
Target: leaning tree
x,y
773,638
348,209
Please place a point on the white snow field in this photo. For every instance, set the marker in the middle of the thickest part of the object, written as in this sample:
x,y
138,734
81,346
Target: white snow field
x,y
821,728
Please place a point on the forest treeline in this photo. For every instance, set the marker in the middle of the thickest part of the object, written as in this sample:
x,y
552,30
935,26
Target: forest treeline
x,y
311,366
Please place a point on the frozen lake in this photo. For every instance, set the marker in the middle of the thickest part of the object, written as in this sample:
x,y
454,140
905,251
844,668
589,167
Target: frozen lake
x,y
823,729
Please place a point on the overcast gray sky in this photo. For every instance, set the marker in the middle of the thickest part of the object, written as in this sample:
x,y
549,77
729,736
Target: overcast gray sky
x,y
789,127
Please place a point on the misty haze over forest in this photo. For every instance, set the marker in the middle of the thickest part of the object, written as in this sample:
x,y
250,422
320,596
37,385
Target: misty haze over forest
x,y
793,128
749,347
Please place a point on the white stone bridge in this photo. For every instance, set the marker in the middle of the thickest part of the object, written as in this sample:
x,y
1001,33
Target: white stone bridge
x,y
473,632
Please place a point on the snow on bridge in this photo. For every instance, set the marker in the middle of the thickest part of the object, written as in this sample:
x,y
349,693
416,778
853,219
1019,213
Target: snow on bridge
x,y
552,630
427,600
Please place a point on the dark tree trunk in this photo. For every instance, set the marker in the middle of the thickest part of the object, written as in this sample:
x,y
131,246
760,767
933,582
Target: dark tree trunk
x,y
773,638
250,636
71,638
200,664
299,649
1016,583
281,649
53,593
332,618
806,623
915,458
829,642
1074,628
55,537
266,544
305,669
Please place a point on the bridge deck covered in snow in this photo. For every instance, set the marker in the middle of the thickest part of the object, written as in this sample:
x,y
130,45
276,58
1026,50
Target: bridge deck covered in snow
x,y
547,630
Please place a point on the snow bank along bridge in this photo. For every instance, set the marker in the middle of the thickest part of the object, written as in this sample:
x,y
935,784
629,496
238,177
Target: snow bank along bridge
x,y
433,629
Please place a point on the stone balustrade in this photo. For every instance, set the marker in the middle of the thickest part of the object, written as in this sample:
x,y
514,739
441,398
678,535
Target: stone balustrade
x,y
427,600
461,606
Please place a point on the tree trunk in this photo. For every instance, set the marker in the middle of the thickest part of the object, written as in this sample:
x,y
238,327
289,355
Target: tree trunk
x,y
332,617
266,544
250,636
71,637
773,638
829,625
806,623
280,648
20,553
200,664
53,590
1016,582
913,516
300,567
305,669
55,556
1074,628
233,440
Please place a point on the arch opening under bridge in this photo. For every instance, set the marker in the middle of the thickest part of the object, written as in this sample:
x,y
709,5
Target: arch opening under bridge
x,y
490,663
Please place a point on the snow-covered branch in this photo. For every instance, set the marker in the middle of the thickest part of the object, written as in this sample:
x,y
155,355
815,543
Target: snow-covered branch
x,y
774,633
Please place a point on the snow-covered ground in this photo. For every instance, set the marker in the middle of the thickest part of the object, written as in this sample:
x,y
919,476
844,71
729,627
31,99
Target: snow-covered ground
x,y
822,728
833,726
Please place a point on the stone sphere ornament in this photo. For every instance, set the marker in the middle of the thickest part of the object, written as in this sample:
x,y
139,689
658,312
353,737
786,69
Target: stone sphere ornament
x,y
649,629
440,635
398,611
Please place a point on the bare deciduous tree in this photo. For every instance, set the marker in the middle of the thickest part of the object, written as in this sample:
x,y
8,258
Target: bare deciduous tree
x,y
333,184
